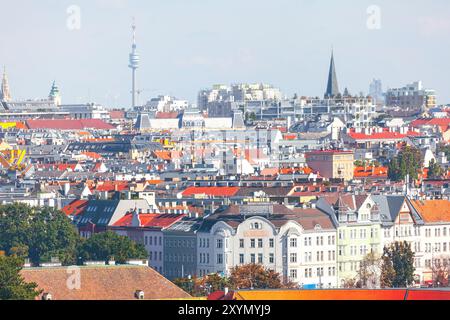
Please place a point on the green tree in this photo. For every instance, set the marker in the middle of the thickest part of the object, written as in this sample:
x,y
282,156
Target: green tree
x,y
38,233
12,284
107,245
445,148
398,266
408,162
434,170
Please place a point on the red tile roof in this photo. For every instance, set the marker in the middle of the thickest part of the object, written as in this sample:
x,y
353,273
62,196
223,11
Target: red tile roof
x,y
167,115
117,114
362,172
112,186
151,220
211,191
75,207
104,283
442,123
385,135
433,210
92,155
69,124
337,294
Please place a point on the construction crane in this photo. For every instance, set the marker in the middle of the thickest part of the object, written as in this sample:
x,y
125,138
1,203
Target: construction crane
x,y
12,159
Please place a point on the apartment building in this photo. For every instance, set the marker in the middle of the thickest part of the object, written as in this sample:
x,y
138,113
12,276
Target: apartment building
x,y
399,223
411,96
180,249
147,229
332,164
434,236
358,231
299,244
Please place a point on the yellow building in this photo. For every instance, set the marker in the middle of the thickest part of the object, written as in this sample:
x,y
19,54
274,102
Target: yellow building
x,y
332,164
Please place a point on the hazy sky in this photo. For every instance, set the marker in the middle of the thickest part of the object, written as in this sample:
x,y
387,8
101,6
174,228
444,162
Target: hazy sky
x,y
186,45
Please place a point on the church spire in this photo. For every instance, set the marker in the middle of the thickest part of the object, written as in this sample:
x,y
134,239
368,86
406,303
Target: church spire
x,y
332,86
5,94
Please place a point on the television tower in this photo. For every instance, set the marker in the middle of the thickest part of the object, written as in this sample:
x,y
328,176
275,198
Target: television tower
x,y
134,65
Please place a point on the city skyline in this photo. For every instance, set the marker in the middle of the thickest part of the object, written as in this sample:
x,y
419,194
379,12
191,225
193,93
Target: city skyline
x,y
177,58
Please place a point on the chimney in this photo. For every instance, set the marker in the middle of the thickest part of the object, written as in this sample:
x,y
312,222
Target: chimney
x,y
47,296
66,188
139,294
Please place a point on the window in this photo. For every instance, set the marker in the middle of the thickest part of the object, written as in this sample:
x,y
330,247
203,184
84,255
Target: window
x,y
219,243
219,258
252,243
293,274
293,258
252,258
271,258
260,258
271,243
150,242
293,242
241,258
260,243
241,243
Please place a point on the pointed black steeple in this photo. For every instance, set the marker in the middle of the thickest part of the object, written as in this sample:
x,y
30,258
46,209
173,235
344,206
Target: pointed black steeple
x,y
332,87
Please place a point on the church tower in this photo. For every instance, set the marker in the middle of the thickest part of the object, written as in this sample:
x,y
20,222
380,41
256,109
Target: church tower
x,y
55,95
332,86
5,94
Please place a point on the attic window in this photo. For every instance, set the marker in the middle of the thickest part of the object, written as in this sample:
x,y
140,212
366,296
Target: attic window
x,y
369,206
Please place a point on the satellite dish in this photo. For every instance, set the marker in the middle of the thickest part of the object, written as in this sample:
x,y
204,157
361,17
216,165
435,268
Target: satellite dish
x,y
179,195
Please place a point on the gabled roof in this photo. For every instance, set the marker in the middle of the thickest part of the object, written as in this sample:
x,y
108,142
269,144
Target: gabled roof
x,y
442,123
433,211
384,135
389,206
75,207
150,220
211,191
69,124
105,283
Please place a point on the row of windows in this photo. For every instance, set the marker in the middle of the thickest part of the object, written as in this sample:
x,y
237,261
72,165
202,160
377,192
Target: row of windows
x,y
437,232
173,257
349,266
181,243
150,241
254,242
308,273
362,234
153,256
437,263
355,250
438,247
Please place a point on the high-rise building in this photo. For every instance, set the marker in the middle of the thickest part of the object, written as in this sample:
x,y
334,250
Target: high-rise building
x,y
412,96
5,94
376,91
134,65
332,86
